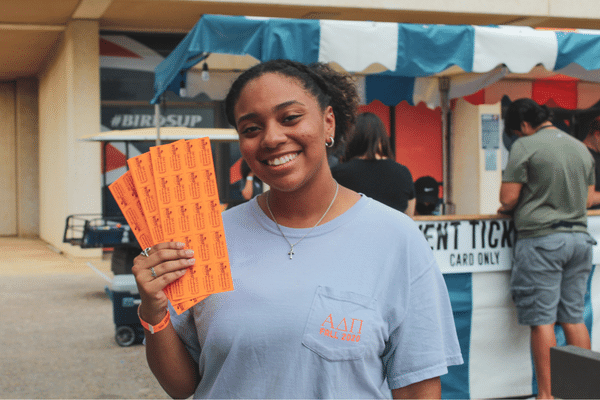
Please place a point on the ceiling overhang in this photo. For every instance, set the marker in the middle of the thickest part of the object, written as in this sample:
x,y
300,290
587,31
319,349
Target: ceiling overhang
x,y
29,29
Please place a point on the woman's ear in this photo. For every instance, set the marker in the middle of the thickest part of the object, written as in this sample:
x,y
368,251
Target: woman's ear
x,y
526,128
329,121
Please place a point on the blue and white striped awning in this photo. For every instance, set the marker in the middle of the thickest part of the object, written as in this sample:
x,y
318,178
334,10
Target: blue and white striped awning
x,y
411,57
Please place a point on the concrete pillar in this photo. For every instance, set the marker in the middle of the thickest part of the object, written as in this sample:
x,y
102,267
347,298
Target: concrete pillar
x,y
8,170
70,176
26,108
476,172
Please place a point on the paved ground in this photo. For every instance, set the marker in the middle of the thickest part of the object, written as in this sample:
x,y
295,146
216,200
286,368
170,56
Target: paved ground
x,y
57,331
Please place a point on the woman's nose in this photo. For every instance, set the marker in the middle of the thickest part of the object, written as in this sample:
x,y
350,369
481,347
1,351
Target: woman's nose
x,y
273,135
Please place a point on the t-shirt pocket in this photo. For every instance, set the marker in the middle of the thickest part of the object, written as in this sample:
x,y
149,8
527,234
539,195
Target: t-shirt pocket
x,y
340,325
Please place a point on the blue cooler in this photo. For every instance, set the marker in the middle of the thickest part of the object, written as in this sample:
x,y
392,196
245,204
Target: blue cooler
x,y
125,299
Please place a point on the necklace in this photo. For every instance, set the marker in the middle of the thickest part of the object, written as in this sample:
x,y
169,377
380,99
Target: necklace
x,y
291,252
544,125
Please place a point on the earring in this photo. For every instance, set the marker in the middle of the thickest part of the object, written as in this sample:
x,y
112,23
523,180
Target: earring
x,y
330,145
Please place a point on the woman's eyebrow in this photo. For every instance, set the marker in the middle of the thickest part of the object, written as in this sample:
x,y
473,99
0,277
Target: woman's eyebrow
x,y
276,108
245,117
286,104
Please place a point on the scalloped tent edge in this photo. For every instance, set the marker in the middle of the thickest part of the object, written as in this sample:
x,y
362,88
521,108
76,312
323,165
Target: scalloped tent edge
x,y
461,59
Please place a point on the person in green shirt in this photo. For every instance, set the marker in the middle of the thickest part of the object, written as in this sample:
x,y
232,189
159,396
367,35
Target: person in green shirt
x,y
546,186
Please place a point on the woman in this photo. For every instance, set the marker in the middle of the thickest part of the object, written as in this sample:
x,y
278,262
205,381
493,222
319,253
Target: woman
x,y
334,292
368,167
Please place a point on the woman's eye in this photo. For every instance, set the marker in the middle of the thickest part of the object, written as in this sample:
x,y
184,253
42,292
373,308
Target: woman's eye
x,y
248,130
290,118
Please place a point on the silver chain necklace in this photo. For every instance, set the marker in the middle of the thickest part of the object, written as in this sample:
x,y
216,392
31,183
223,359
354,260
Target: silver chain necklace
x,y
291,252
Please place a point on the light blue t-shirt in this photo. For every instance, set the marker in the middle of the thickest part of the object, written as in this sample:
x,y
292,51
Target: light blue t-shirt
x,y
361,308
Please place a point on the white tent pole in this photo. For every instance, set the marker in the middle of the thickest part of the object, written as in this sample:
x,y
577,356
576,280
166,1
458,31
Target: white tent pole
x,y
157,121
444,87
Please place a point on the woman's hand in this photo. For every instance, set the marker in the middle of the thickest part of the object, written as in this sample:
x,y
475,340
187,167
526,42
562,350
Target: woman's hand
x,y
164,264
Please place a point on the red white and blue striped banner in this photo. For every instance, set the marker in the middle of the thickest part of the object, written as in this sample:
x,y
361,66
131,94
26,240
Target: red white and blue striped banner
x,y
407,56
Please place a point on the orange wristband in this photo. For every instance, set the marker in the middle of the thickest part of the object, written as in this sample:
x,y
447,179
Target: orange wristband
x,y
155,328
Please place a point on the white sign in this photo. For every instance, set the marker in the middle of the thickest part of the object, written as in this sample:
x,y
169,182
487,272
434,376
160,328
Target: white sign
x,y
481,245
130,121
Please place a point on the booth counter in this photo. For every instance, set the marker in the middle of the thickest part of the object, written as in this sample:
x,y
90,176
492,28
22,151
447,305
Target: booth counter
x,y
474,252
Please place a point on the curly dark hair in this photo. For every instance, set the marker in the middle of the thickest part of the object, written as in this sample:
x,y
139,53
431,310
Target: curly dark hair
x,y
329,87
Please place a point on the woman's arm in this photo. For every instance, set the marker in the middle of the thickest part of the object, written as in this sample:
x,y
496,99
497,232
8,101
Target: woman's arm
x,y
171,363
410,210
167,355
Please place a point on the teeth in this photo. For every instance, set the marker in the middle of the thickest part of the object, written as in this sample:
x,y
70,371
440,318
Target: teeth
x,y
282,160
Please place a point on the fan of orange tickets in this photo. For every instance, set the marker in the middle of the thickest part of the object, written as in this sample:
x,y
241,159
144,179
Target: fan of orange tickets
x,y
170,194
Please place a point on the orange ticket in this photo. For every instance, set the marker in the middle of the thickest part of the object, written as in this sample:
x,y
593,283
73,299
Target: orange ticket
x,y
143,178
171,194
190,212
125,193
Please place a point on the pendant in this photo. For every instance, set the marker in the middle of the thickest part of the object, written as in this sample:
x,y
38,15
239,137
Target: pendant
x,y
291,252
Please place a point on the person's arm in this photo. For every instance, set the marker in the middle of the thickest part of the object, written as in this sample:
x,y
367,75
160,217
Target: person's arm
x,y
593,197
427,389
410,209
248,189
167,356
509,196
171,363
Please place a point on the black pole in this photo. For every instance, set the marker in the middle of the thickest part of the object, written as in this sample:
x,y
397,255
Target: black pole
x,y
393,128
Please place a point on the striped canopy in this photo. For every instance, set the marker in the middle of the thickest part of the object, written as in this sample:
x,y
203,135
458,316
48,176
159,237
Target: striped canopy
x,y
400,61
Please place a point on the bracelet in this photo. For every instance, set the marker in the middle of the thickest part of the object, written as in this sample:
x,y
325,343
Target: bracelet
x,y
249,178
155,328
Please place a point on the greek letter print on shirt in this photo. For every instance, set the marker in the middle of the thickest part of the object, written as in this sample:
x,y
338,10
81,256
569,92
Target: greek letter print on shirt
x,y
338,324
350,335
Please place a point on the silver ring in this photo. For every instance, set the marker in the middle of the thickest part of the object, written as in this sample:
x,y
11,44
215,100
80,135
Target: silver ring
x,y
153,272
145,252
330,145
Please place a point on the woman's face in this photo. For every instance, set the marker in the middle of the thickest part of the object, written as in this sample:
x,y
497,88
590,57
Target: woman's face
x,y
282,131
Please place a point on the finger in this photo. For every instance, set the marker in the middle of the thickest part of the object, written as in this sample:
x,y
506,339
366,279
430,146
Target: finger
x,y
173,271
151,289
164,256
165,245
160,253
174,265
165,261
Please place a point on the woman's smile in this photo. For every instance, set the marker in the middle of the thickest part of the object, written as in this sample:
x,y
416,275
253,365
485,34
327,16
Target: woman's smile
x,y
281,160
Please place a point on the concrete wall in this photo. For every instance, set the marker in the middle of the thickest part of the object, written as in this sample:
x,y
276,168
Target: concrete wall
x,y
19,213
8,167
27,151
475,190
70,176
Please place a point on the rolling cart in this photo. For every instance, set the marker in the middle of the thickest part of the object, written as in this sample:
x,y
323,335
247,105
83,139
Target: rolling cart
x,y
125,299
97,231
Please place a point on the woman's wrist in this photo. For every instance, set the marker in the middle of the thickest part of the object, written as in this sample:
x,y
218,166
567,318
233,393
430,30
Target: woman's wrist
x,y
150,316
249,178
155,325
